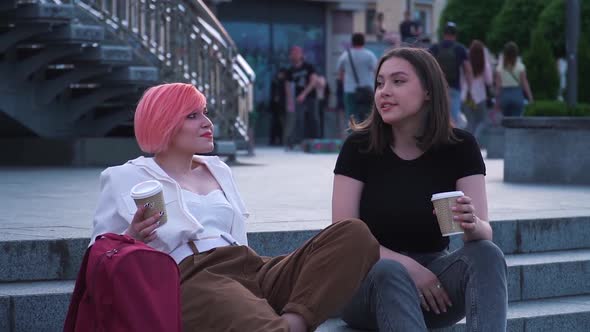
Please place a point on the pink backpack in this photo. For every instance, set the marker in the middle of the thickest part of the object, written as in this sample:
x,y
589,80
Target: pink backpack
x,y
125,285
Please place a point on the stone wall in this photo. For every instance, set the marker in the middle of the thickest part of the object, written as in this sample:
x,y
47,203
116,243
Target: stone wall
x,y
91,151
547,150
99,151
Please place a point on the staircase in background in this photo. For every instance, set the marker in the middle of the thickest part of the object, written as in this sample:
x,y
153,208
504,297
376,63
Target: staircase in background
x,y
76,68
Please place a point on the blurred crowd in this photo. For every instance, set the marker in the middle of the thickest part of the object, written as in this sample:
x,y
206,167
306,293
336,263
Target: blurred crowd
x,y
483,87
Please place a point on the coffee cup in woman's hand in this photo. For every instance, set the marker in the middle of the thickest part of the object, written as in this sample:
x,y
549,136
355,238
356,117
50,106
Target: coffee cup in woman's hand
x,y
151,195
144,229
443,206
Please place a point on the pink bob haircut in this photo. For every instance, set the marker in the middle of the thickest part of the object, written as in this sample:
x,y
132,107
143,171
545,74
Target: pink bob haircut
x,y
161,112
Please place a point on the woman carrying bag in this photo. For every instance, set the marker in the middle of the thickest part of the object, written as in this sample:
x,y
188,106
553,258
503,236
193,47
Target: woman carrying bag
x,y
511,82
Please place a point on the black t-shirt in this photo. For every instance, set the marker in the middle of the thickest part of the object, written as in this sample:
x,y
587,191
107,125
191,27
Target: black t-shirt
x,y
301,76
395,202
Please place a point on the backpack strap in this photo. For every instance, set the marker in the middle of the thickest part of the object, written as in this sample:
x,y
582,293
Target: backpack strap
x,y
79,290
356,77
513,76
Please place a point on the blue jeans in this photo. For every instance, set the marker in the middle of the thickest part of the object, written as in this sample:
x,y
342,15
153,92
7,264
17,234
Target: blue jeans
x,y
476,119
455,106
303,123
474,277
512,101
359,112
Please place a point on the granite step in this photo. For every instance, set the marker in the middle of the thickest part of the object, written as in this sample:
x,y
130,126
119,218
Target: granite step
x,y
568,313
132,74
512,236
548,274
75,33
41,259
539,235
42,306
107,54
530,276
59,259
34,306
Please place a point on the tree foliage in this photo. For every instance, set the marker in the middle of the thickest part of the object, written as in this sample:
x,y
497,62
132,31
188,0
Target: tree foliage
x,y
473,18
552,23
514,23
541,68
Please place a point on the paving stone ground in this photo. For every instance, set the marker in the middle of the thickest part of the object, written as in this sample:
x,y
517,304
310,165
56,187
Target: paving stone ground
x,y
283,191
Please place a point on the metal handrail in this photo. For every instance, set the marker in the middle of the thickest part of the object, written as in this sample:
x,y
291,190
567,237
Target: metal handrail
x,y
188,44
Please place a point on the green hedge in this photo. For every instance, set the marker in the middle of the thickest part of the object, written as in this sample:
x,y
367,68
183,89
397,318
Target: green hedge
x,y
473,18
556,108
552,23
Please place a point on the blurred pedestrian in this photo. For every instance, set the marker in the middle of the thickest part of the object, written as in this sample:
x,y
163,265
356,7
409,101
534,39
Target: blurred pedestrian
x,y
409,29
476,108
512,84
452,57
357,68
379,26
303,75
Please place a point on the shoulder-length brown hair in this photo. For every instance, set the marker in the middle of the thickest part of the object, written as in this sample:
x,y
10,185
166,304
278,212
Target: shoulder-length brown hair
x,y
509,55
437,129
477,57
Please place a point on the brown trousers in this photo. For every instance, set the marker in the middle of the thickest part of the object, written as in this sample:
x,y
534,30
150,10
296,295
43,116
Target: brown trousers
x,y
234,289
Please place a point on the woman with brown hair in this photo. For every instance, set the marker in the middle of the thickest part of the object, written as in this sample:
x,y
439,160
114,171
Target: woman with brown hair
x,y
511,80
482,77
386,173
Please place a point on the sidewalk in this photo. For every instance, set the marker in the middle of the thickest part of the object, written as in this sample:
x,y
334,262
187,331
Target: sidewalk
x,y
283,191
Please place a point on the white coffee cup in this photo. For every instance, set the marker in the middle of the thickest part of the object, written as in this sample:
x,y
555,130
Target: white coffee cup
x,y
443,203
151,193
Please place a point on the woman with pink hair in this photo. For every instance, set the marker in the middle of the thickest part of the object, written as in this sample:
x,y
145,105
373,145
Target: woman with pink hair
x,y
225,285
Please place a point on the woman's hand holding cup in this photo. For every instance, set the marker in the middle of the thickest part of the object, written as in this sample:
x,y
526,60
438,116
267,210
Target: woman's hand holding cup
x,y
144,229
151,210
464,214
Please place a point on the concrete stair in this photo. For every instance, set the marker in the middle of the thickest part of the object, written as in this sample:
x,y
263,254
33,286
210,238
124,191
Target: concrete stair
x,y
570,313
548,259
58,69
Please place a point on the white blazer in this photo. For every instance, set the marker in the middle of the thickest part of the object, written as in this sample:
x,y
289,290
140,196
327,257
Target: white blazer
x,y
116,208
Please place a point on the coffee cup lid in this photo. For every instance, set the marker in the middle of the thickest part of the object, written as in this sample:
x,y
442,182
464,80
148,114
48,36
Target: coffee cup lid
x,y
447,195
146,189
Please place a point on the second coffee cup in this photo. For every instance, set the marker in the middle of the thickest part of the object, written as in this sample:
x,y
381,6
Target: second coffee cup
x,y
443,204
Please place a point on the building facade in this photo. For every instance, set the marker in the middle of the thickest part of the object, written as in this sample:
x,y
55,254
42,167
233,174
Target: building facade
x,y
264,30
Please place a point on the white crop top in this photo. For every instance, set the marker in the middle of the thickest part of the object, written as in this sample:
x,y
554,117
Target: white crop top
x,y
212,210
